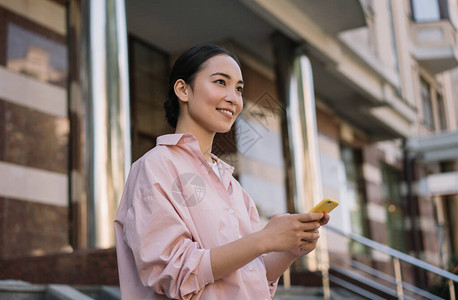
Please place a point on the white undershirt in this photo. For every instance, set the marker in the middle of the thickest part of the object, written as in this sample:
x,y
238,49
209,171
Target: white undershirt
x,y
214,166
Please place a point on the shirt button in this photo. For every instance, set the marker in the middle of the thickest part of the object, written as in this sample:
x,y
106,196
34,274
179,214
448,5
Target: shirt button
x,y
250,267
231,211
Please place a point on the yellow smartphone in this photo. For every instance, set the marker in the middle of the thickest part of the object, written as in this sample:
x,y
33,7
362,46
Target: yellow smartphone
x,y
326,205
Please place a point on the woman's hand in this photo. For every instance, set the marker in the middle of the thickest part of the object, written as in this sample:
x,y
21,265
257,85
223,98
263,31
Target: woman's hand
x,y
309,246
286,232
325,219
306,247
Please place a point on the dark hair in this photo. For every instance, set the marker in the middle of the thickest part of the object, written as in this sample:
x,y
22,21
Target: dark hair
x,y
186,67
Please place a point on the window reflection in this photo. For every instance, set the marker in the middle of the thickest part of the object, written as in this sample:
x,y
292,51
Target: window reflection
x,y
429,10
353,192
397,238
428,117
442,115
35,55
149,68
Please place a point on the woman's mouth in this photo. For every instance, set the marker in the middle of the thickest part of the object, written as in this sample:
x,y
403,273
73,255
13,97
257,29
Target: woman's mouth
x,y
227,113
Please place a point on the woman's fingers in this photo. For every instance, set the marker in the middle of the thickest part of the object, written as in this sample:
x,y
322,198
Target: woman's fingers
x,y
322,218
310,236
293,230
307,217
310,226
325,219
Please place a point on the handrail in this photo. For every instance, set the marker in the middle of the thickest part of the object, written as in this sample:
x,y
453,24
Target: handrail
x,y
368,281
379,274
354,288
395,253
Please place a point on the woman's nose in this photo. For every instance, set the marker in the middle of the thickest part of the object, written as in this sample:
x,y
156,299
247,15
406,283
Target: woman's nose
x,y
233,98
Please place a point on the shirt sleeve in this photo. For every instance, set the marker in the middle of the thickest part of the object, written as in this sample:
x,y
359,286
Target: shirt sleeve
x,y
256,225
272,283
166,257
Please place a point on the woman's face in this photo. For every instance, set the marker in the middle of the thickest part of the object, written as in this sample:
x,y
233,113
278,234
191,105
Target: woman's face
x,y
215,98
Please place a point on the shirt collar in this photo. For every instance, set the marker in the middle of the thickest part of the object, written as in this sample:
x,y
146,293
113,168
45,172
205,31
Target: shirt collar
x,y
176,138
222,164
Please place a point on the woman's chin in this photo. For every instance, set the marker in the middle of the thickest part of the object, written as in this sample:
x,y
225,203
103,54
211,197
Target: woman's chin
x,y
224,129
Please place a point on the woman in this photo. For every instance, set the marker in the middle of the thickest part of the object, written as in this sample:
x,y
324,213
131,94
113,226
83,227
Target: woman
x,y
185,228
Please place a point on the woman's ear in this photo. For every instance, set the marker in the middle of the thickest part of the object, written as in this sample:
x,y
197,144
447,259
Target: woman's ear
x,y
181,90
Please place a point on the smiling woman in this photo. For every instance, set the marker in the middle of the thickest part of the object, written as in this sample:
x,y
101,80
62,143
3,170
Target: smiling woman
x,y
211,102
185,228
185,69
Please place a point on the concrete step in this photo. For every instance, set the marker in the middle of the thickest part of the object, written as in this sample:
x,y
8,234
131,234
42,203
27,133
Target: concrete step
x,y
20,290
312,293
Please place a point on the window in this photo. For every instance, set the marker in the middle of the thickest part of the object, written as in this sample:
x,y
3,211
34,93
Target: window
x,y
393,41
429,10
394,208
354,194
33,54
149,70
441,115
428,118
433,106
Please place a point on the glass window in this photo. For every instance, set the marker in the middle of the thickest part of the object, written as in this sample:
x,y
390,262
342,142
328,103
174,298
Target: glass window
x,y
441,112
354,194
428,118
425,10
149,68
393,38
33,54
394,208
429,10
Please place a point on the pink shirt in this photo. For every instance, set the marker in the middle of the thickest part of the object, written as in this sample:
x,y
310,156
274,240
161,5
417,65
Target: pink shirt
x,y
174,209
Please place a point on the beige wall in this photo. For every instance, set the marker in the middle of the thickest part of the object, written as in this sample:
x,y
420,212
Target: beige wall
x,y
34,126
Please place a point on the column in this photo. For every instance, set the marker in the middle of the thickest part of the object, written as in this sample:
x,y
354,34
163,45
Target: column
x,y
100,122
295,79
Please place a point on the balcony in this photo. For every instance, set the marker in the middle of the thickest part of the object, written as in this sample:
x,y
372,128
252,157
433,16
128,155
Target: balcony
x,y
333,15
437,147
435,45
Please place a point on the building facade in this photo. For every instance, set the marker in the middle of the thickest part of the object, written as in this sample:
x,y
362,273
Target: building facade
x,y
374,125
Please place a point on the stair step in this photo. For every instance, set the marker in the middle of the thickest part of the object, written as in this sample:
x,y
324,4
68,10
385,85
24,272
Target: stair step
x,y
312,293
20,290
64,292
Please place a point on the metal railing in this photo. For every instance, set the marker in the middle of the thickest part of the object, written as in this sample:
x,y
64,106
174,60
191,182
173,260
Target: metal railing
x,y
396,258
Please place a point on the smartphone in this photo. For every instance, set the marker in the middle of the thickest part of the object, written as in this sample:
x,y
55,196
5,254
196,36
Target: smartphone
x,y
326,205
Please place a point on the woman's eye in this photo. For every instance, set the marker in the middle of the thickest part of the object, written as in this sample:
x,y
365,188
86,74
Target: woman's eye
x,y
220,81
240,89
